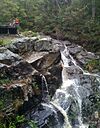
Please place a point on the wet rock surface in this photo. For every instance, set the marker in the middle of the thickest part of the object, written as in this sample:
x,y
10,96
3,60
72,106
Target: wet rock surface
x,y
46,116
22,67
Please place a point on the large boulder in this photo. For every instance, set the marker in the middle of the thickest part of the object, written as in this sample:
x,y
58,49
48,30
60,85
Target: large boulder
x,y
43,44
53,77
22,45
83,56
47,116
50,66
7,57
34,56
74,49
20,70
91,103
46,61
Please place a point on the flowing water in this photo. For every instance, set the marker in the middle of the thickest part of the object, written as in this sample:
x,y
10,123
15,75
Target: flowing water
x,y
45,92
70,89
68,98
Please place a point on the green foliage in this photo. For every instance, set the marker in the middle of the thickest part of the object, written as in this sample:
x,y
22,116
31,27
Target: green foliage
x,y
92,126
1,42
4,81
12,123
35,85
1,104
2,125
32,124
93,64
5,40
20,119
29,33
65,19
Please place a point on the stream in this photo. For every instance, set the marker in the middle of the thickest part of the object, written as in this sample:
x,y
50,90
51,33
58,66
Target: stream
x,y
65,108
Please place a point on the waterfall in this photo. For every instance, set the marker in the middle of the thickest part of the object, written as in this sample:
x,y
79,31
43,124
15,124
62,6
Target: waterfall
x,y
71,81
68,98
69,92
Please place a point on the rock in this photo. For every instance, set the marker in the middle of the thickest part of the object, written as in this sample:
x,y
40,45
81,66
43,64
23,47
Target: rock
x,y
25,81
49,65
43,44
3,69
7,57
67,43
71,72
22,45
74,49
13,95
56,45
73,112
46,61
46,116
84,56
59,45
20,70
54,79
34,56
90,103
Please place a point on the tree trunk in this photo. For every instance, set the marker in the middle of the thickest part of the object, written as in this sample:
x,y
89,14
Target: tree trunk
x,y
93,9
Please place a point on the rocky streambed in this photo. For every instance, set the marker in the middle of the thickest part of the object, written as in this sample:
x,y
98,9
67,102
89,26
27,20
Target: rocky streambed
x,y
31,72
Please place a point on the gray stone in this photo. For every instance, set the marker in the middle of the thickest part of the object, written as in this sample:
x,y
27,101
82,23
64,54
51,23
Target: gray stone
x,y
74,49
34,56
22,45
46,115
7,57
43,44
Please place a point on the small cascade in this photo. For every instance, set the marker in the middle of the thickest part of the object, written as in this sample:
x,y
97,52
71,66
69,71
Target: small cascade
x,y
45,92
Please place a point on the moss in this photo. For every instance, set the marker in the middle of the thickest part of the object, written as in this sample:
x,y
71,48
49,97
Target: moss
x,y
16,121
30,33
36,88
32,124
4,81
93,64
12,121
1,104
5,40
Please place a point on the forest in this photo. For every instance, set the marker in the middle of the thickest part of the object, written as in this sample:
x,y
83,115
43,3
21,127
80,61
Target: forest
x,y
64,19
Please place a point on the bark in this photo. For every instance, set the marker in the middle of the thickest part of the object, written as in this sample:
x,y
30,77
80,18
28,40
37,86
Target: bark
x,y
93,9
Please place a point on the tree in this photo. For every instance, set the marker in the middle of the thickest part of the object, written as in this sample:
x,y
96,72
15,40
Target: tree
x,y
93,9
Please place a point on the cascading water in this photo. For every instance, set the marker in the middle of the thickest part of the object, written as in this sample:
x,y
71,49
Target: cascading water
x,y
67,100
45,92
70,89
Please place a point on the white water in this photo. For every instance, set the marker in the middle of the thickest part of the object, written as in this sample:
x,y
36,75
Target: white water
x,y
66,124
71,82
62,95
69,92
45,92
